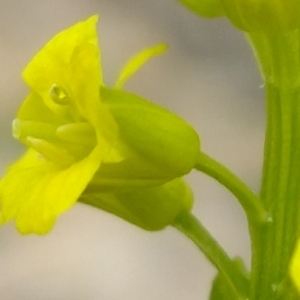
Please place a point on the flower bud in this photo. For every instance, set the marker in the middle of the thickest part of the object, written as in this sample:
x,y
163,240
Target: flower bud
x,y
263,15
251,15
205,8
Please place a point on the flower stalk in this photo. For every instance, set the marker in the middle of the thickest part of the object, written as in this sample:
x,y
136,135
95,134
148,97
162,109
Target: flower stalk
x,y
192,228
273,244
250,202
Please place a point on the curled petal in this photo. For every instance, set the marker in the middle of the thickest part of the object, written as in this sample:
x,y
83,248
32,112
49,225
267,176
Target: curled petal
x,y
135,63
53,59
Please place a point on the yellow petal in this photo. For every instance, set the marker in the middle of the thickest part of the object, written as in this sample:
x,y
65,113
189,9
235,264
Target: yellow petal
x,y
135,63
33,108
48,65
35,191
84,76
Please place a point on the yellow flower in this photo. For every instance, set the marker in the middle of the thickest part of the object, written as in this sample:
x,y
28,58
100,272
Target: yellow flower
x,y
83,136
61,110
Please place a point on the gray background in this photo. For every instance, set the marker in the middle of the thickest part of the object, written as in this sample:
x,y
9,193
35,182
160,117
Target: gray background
x,y
209,77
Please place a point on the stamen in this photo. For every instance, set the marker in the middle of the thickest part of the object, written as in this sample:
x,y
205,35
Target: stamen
x,y
22,129
77,133
59,95
51,152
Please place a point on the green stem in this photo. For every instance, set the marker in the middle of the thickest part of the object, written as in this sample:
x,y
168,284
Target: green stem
x,y
273,244
193,229
249,201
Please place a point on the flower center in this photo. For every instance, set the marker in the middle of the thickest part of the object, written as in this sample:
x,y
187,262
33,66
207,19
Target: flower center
x,y
64,142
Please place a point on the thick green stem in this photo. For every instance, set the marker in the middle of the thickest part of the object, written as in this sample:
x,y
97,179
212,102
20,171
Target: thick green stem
x,y
192,228
273,244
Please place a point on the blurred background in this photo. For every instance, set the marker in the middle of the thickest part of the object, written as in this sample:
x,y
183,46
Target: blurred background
x,y
209,77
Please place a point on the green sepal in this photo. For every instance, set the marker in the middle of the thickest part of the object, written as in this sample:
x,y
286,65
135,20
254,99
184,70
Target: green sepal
x,y
205,8
151,208
157,145
221,289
